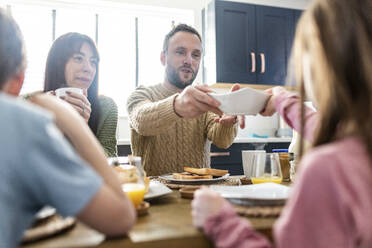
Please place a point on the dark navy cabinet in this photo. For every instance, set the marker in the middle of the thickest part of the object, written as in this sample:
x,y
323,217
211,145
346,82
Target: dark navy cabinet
x,y
227,159
124,150
252,43
275,32
235,41
297,15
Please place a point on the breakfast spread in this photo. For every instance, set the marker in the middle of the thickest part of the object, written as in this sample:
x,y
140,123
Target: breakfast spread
x,y
199,173
186,175
128,174
206,171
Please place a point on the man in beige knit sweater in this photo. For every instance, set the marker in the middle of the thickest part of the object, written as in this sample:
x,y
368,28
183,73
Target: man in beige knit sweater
x,y
173,123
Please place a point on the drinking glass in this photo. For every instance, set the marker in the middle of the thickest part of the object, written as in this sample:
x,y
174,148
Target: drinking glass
x,y
266,168
247,159
136,191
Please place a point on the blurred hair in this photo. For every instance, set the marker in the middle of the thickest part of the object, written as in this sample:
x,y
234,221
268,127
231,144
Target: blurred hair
x,y
12,50
176,29
61,51
337,35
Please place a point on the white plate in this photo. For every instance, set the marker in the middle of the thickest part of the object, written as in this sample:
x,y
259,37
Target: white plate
x,y
156,189
246,101
169,177
254,194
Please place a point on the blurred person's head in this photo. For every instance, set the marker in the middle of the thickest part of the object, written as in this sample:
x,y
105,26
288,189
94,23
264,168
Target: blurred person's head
x,y
181,55
12,55
73,62
333,57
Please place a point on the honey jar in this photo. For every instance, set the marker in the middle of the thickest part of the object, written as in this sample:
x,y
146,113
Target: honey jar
x,y
284,163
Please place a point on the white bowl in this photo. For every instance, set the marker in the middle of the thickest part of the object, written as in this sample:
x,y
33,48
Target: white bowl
x,y
246,101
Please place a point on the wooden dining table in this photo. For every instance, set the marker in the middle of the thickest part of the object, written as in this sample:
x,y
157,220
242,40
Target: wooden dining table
x,y
168,223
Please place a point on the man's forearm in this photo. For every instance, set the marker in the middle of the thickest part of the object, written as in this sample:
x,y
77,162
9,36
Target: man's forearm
x,y
153,118
222,135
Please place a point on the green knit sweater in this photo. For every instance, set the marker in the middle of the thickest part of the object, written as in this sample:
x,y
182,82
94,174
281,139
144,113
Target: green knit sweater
x,y
167,142
107,124
106,131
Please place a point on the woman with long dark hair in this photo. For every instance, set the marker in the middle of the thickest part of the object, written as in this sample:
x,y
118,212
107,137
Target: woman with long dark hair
x,y
73,62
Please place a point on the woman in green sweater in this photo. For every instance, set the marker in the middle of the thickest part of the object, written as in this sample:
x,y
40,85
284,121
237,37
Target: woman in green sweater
x,y
73,62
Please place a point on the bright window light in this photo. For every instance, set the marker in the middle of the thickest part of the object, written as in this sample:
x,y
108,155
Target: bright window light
x,y
117,49
37,42
153,28
70,20
116,40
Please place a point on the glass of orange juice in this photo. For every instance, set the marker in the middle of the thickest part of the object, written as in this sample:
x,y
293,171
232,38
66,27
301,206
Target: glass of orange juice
x,y
266,168
137,190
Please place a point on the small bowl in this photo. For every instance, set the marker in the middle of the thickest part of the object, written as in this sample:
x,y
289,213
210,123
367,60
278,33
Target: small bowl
x,y
143,208
188,192
245,181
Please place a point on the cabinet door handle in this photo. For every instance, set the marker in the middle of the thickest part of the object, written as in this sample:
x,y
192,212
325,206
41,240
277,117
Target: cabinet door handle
x,y
219,154
262,62
253,59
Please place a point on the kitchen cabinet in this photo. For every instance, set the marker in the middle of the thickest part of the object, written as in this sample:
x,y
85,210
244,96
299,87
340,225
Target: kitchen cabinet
x,y
231,158
275,33
124,150
247,43
227,159
297,15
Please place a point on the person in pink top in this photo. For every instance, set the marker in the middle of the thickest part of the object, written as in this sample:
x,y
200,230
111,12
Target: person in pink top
x,y
288,105
331,200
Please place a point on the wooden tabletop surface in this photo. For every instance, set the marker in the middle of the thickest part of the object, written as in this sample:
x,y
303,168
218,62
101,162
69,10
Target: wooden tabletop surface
x,y
167,224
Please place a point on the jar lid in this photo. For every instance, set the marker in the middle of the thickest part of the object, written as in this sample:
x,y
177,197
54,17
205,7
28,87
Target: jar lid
x,y
279,150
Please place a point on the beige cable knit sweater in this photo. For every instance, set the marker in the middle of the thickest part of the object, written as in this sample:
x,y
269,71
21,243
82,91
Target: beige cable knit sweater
x,y
167,142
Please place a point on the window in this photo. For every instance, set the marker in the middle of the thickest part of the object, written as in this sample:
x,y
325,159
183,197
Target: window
x,y
153,28
117,49
70,20
115,28
37,44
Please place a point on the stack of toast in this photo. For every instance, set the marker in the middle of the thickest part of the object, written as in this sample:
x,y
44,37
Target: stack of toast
x,y
199,173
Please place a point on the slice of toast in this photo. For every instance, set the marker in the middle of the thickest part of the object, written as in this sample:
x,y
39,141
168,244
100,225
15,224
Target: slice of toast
x,y
206,171
189,176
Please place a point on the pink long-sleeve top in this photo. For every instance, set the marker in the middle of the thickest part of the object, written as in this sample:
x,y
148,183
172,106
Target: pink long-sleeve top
x,y
330,204
287,104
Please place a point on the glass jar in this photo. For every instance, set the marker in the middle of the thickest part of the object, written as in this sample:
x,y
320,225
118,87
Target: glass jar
x,y
293,169
284,163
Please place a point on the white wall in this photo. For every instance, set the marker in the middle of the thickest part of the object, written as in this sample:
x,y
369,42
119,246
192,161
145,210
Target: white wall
x,y
195,5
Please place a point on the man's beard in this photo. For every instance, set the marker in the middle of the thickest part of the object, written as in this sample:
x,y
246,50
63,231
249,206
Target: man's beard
x,y
175,79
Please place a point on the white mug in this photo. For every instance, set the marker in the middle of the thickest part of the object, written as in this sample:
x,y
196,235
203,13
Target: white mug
x,y
247,158
62,91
